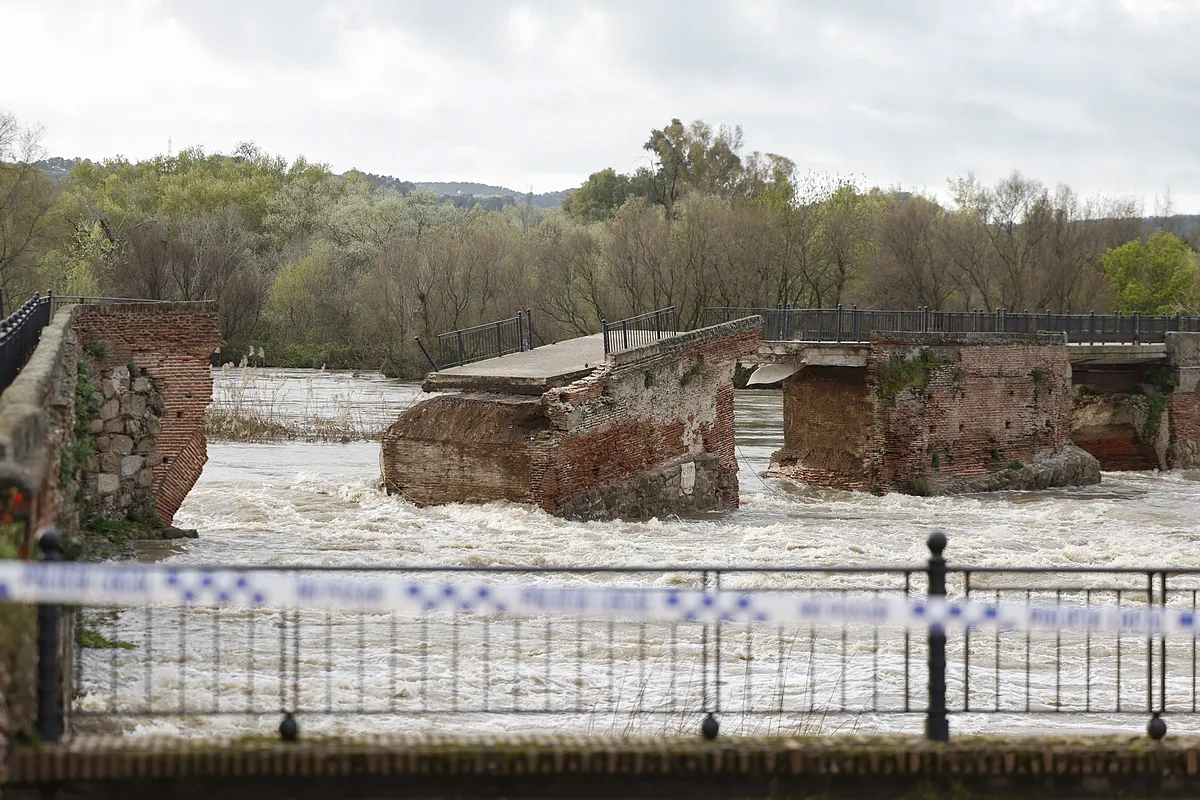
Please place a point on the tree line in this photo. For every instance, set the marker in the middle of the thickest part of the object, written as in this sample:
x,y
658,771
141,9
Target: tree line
x,y
344,271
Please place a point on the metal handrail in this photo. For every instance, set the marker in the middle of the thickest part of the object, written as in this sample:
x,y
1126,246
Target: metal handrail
x,y
843,324
639,330
481,342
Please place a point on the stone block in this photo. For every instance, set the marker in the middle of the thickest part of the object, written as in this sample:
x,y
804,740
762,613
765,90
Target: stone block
x,y
107,484
154,458
145,478
103,443
110,462
133,429
97,425
110,408
130,465
141,385
107,388
120,379
145,445
125,500
122,445
92,464
114,425
153,427
137,405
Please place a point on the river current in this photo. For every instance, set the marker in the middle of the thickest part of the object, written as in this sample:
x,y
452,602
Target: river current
x,y
316,503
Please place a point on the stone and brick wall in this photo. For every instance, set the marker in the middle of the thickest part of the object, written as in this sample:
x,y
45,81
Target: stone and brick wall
x,y
169,346
172,344
649,432
119,476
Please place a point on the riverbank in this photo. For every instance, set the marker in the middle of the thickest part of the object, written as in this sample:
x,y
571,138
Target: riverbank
x,y
111,540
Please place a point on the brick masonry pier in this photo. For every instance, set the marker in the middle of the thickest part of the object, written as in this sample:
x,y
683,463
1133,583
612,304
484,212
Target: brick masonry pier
x,y
607,767
932,414
634,434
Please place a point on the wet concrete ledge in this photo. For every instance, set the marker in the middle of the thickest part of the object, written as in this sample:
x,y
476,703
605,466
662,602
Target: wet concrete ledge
x,y
566,766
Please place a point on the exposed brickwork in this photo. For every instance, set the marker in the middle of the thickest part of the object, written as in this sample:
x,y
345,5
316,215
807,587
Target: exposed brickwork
x,y
989,405
580,449
1183,353
1185,430
941,410
1112,427
173,343
828,418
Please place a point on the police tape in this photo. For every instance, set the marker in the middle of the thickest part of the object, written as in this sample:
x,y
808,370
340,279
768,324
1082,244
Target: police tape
x,y
120,585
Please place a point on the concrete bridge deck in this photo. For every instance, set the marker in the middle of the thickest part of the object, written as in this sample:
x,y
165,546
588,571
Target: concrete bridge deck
x,y
528,372
854,354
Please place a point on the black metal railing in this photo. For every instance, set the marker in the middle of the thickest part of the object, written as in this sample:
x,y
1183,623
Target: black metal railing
x,y
479,342
625,675
856,325
19,335
639,331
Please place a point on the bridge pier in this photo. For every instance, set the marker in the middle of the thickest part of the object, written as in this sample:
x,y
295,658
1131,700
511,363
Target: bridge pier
x,y
633,434
930,414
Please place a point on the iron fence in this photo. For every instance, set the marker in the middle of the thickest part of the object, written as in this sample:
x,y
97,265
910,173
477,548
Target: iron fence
x,y
639,331
19,336
856,325
262,665
479,342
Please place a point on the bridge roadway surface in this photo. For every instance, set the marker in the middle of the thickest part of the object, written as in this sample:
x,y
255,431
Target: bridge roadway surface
x,y
543,368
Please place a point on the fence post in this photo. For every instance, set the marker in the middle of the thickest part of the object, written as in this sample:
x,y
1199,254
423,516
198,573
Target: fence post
x,y
529,325
499,340
839,322
1137,327
857,334
460,348
49,671
937,726
521,331
428,357
625,334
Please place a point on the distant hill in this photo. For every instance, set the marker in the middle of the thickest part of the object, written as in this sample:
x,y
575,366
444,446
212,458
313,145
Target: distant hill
x,y
57,167
483,190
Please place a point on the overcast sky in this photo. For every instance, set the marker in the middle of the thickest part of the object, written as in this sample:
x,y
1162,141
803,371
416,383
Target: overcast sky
x,y
1103,95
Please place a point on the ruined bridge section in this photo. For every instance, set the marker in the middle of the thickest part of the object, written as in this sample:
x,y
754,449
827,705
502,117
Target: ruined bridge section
x,y
930,414
635,434
143,447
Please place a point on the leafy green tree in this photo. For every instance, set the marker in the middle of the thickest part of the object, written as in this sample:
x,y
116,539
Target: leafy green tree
x,y
599,197
1157,276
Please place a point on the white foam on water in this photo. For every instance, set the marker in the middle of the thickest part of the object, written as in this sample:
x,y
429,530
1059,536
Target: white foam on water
x,y
321,504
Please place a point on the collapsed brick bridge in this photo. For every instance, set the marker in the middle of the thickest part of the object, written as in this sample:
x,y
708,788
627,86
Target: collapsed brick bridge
x,y
649,431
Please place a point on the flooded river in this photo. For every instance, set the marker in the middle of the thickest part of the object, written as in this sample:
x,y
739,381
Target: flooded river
x,y
304,503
